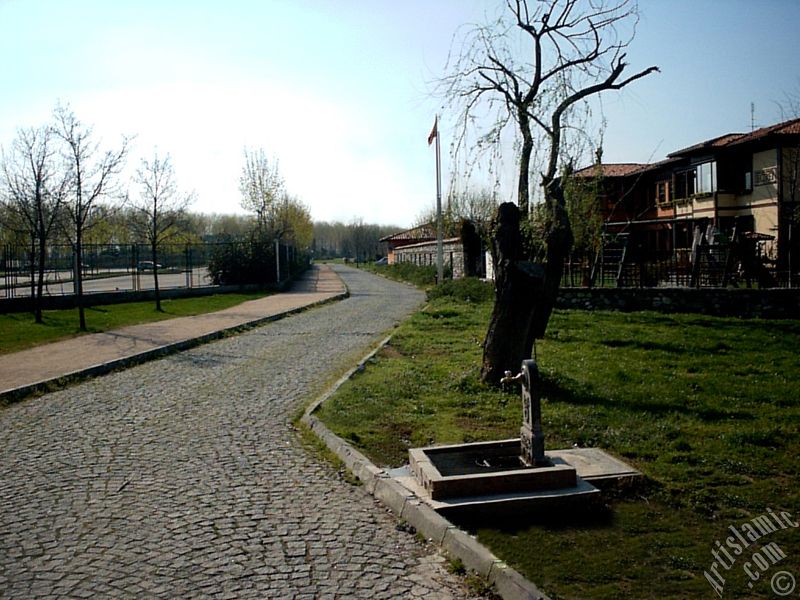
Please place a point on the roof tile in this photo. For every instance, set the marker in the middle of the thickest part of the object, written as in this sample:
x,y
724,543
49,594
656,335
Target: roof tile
x,y
611,170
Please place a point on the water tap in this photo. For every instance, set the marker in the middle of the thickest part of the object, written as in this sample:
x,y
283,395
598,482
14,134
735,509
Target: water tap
x,y
509,378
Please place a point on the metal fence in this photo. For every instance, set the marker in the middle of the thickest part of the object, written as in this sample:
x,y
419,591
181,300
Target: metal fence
x,y
118,268
713,267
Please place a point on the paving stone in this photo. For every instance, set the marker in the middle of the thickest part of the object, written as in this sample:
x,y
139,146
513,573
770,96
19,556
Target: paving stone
x,y
184,478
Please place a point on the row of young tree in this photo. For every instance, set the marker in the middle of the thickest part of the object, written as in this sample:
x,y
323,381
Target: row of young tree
x,y
56,180
59,186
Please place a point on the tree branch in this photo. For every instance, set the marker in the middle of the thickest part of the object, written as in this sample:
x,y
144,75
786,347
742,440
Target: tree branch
x,y
610,83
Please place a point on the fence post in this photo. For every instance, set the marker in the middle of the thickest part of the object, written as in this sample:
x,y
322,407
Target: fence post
x,y
278,260
7,277
32,262
6,272
188,265
135,267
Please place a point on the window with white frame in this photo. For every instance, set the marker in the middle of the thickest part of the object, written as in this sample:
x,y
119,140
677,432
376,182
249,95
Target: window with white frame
x,y
706,181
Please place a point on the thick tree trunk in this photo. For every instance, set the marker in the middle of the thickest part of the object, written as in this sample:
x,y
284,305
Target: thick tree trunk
x,y
517,284
524,293
559,242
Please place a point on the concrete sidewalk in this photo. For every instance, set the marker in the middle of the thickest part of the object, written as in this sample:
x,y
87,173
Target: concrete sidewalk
x,y
26,372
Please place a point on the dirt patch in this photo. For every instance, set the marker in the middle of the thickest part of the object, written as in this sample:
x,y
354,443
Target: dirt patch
x,y
389,351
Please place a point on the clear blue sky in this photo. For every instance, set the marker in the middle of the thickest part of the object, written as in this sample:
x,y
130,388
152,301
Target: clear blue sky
x,y
338,90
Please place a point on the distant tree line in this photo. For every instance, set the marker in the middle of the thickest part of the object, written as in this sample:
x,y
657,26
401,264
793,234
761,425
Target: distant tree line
x,y
357,240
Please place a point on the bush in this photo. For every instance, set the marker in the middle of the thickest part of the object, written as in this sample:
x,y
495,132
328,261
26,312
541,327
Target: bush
x,y
419,276
468,289
243,262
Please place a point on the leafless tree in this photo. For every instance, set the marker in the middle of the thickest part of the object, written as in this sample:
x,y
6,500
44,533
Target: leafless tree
x,y
262,189
159,209
94,175
35,188
477,205
533,68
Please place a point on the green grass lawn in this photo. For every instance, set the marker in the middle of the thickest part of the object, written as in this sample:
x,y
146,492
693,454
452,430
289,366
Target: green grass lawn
x,y
707,408
19,331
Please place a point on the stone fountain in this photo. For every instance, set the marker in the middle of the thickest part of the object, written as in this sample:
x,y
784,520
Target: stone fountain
x,y
514,475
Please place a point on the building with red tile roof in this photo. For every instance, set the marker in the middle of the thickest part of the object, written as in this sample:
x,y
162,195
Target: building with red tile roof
x,y
407,237
737,182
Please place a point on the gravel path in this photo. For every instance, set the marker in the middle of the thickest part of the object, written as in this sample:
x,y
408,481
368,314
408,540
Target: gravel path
x,y
183,478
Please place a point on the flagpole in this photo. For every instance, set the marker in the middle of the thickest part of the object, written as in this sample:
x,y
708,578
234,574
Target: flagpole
x,y
439,224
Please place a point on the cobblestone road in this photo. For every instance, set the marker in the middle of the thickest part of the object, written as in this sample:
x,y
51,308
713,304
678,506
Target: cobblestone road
x,y
182,477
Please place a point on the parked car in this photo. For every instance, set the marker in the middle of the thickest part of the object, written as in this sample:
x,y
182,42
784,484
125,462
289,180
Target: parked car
x,y
382,261
147,265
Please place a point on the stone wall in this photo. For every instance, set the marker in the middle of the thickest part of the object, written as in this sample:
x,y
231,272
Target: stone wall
x,y
748,303
424,254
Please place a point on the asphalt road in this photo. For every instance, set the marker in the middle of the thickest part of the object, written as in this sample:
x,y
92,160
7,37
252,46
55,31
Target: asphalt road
x,y
120,283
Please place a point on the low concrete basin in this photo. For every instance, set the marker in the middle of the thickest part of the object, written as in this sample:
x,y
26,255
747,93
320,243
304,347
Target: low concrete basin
x,y
484,468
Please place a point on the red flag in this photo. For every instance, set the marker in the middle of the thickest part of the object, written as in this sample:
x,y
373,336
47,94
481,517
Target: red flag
x,y
434,131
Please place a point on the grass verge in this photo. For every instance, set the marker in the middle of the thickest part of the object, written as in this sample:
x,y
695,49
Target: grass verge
x,y
707,408
18,331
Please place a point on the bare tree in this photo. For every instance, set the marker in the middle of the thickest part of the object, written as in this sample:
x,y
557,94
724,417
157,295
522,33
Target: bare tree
x,y
477,205
35,187
534,68
262,189
94,175
159,209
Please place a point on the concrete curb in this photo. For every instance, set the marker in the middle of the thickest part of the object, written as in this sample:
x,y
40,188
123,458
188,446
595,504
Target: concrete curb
x,y
508,582
46,385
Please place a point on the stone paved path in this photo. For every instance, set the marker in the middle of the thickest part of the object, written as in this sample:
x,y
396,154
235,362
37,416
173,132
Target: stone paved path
x,y
25,369
182,478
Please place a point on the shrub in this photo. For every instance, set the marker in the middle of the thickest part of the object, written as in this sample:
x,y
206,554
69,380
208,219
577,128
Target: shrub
x,y
243,262
416,275
468,289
